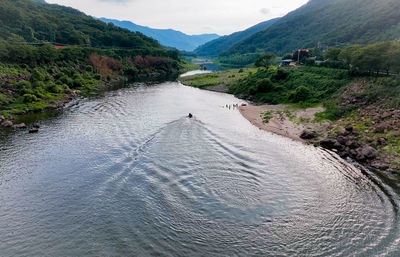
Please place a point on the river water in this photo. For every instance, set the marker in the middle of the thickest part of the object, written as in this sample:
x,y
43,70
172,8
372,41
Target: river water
x,y
127,174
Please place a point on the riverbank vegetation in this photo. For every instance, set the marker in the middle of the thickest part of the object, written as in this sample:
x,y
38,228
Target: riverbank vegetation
x,y
49,54
226,78
306,86
359,86
47,77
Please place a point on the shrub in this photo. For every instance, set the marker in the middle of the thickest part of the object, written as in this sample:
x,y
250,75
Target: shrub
x,y
131,71
105,65
78,82
280,75
38,84
300,94
89,68
54,88
265,60
28,98
332,111
264,85
39,92
64,79
4,99
24,87
309,62
38,75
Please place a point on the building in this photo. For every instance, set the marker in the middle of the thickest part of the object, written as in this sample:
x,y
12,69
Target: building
x,y
288,63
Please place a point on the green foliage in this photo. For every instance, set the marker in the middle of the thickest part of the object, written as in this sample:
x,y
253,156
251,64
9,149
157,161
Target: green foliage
x,y
332,54
307,85
38,75
328,22
34,22
332,112
219,45
387,88
267,116
77,82
89,68
236,61
184,66
3,100
28,98
287,56
265,61
24,87
378,57
54,88
227,77
12,70
301,94
309,62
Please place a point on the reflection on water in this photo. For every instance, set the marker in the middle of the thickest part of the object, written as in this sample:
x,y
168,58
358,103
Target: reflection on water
x,y
129,175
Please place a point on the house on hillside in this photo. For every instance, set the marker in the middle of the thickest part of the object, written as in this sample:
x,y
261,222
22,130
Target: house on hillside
x,y
301,54
59,47
288,63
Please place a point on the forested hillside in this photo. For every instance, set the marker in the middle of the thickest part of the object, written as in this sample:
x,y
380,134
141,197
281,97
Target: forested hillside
x,y
49,54
328,22
167,37
215,47
25,20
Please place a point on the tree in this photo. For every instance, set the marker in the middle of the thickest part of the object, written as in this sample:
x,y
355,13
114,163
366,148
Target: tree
x,y
265,60
287,56
300,94
378,57
332,54
348,54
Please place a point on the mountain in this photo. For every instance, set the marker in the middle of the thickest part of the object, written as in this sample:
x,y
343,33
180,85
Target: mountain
x,y
33,22
215,47
167,37
329,22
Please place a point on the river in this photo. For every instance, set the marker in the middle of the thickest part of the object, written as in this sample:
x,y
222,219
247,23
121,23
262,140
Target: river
x,y
128,174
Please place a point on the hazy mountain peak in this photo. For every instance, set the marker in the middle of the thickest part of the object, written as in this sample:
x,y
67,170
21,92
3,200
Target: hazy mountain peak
x,y
167,37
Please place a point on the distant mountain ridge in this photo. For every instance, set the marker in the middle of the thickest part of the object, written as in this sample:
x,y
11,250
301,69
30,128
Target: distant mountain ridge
x,y
215,47
167,37
330,22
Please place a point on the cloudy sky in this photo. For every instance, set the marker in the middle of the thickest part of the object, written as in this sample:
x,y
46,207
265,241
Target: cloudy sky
x,y
189,16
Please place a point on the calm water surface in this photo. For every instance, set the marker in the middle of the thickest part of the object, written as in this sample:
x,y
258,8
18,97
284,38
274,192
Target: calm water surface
x,y
128,174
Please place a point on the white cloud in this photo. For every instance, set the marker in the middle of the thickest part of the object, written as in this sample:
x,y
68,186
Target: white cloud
x,y
189,16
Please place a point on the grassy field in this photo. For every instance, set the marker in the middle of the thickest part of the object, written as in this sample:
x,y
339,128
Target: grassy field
x,y
227,78
185,66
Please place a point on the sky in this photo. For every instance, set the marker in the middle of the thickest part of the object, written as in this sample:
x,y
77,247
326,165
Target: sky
x,y
189,16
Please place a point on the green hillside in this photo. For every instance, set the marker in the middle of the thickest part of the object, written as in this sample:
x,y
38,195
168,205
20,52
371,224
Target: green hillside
x,y
215,47
89,56
25,20
328,22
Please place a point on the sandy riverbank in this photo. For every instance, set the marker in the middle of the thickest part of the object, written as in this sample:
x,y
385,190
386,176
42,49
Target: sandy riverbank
x,y
281,123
